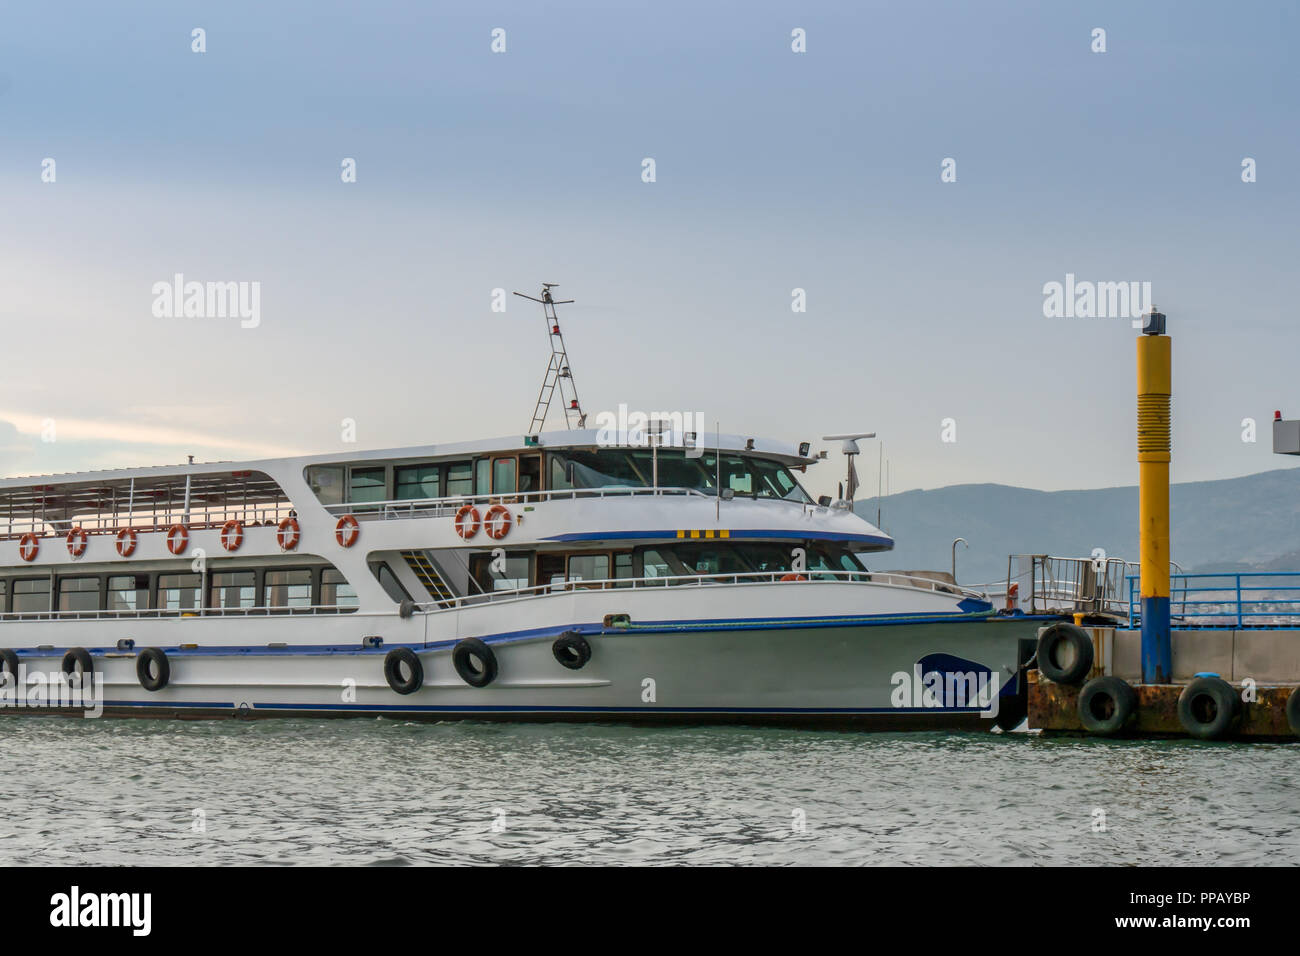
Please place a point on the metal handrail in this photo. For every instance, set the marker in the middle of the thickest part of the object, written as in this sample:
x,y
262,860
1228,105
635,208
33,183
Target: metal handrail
x,y
117,615
440,507
1235,608
199,519
739,578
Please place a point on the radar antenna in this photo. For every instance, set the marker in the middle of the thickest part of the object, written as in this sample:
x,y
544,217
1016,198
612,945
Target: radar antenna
x,y
558,374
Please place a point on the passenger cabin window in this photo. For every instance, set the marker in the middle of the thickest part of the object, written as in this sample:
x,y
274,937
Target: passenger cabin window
x,y
418,481
509,578
180,592
460,479
232,590
482,477
79,594
288,589
368,484
4,597
388,580
128,592
31,595
327,482
335,590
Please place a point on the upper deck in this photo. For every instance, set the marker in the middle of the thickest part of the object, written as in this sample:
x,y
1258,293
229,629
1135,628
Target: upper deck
x,y
391,482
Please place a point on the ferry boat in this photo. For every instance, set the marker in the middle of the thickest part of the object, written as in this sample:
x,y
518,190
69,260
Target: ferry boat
x,y
545,576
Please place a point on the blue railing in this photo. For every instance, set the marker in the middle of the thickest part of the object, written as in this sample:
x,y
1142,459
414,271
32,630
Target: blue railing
x,y
1227,599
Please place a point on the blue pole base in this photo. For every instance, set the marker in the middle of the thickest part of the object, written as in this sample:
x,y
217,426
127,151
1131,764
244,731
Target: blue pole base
x,y
1157,648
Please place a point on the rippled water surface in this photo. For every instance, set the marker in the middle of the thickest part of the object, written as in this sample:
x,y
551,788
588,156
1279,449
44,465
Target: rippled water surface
x,y
387,792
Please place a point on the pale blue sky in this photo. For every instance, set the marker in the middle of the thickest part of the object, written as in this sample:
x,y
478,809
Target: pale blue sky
x,y
775,170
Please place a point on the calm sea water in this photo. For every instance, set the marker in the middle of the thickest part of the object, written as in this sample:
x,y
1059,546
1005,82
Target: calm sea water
x,y
384,792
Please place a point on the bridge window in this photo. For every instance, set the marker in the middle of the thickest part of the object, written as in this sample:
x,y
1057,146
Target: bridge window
x,y
588,567
503,476
79,594
418,481
368,484
460,479
4,596
327,482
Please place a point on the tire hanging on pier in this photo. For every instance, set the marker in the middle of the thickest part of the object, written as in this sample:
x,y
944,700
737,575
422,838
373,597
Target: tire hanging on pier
x,y
1107,706
77,661
572,650
152,668
1208,708
1065,653
403,670
474,662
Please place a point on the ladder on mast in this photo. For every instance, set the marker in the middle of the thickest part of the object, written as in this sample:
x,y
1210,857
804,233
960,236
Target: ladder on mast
x,y
558,374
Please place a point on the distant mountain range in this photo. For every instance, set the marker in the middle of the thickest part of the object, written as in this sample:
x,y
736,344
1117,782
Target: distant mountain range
x,y
1236,524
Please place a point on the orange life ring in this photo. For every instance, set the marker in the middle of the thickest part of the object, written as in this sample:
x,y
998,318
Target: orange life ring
x,y
793,577
77,541
232,534
29,546
178,538
467,521
347,530
497,522
288,534
126,542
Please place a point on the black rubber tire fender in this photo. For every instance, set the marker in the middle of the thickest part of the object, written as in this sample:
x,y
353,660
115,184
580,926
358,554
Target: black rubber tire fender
x,y
10,660
572,650
152,668
1208,707
1107,706
1050,643
413,680
1293,711
78,657
463,656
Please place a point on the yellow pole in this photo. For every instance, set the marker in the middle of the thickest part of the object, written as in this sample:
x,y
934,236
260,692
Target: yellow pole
x,y
1155,385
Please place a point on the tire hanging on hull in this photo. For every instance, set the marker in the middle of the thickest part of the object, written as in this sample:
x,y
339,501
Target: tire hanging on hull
x,y
474,662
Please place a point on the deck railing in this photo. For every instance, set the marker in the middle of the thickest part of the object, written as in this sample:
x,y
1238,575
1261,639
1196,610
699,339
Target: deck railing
x,y
1235,599
788,578
197,520
131,614
446,507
